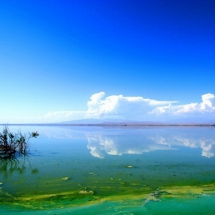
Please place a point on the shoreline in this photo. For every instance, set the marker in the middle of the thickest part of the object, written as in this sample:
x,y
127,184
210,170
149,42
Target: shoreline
x,y
113,124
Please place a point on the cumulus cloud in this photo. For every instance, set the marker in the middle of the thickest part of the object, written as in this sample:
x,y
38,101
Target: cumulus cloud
x,y
139,108
208,102
119,106
206,106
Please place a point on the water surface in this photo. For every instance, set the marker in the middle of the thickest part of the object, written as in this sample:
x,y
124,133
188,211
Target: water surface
x,y
112,170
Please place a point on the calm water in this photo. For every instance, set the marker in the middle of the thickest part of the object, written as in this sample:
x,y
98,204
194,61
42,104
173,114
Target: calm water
x,y
112,170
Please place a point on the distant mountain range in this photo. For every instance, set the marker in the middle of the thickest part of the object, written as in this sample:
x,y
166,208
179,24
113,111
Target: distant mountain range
x,y
97,121
130,122
122,122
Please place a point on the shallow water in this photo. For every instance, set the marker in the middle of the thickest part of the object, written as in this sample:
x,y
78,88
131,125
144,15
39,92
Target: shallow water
x,y
112,170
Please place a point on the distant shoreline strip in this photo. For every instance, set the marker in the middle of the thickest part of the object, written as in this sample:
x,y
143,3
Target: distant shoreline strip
x,y
108,124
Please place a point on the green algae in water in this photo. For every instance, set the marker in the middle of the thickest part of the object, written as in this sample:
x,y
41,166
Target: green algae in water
x,y
112,171
201,205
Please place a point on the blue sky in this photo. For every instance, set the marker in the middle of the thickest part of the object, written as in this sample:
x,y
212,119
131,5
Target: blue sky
x,y
56,59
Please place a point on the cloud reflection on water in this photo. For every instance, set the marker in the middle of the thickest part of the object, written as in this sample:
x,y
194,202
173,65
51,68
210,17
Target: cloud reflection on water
x,y
205,143
119,141
141,141
121,144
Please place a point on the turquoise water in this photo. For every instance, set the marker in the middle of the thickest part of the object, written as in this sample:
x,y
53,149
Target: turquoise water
x,y
112,170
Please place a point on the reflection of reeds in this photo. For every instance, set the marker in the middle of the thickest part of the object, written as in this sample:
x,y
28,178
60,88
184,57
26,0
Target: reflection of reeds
x,y
11,165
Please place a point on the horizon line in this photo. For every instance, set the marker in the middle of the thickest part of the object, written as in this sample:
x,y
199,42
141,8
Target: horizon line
x,y
109,124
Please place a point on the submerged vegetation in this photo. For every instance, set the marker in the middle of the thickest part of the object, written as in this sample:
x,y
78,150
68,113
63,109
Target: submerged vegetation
x,y
12,144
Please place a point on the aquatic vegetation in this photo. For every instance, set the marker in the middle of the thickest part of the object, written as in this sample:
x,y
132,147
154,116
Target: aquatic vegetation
x,y
85,197
11,144
129,166
65,178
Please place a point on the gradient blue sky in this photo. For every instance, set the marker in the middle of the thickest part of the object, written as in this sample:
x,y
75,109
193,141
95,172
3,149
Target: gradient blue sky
x,y
55,55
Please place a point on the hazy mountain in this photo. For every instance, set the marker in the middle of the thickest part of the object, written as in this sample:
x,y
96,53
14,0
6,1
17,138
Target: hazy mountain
x,y
191,121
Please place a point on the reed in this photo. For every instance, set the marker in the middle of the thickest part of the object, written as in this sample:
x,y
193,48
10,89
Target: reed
x,y
12,144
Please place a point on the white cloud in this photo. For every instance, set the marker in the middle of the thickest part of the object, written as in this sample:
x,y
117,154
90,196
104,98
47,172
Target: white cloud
x,y
121,107
208,102
139,108
206,106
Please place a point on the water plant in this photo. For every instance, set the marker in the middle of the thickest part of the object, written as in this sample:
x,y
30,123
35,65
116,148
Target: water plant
x,y
12,144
